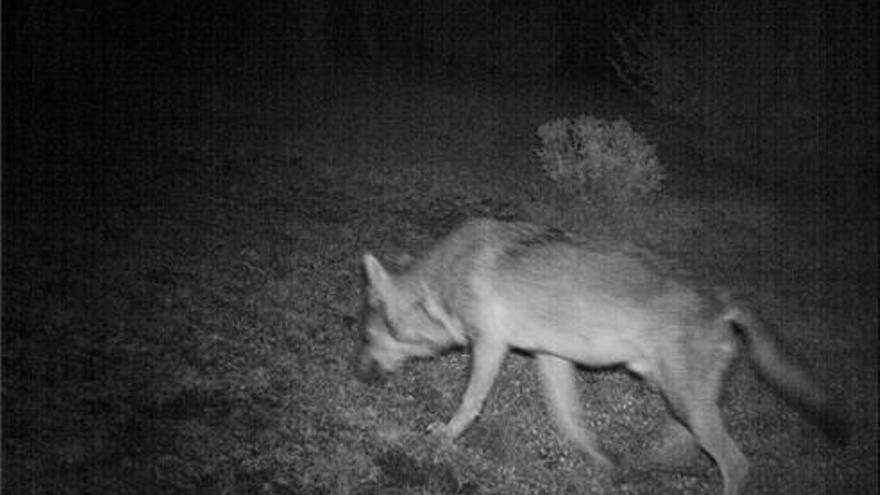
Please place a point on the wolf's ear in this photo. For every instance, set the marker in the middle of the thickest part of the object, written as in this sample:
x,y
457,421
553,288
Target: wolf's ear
x,y
437,312
377,276
430,303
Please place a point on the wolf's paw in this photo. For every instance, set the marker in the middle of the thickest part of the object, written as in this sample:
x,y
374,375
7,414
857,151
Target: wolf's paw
x,y
675,451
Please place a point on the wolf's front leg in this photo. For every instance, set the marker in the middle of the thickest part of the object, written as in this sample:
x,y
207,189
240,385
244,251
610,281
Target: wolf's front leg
x,y
487,356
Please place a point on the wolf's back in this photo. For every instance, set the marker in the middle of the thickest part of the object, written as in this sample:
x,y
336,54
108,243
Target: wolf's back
x,y
475,250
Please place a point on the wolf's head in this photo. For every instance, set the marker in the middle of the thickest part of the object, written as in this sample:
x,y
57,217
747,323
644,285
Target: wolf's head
x,y
401,319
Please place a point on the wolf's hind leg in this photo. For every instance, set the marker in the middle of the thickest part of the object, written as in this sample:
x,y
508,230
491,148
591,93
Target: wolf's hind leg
x,y
557,375
677,450
693,399
706,423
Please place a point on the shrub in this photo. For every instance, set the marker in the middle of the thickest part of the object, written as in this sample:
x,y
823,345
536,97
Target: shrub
x,y
600,161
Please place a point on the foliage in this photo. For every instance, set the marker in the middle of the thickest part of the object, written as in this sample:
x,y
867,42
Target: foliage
x,y
606,161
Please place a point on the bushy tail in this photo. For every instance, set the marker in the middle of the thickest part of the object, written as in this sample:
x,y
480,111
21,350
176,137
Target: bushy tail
x,y
793,382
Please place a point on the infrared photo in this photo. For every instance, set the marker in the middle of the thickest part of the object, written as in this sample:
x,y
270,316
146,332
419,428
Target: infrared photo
x,y
439,247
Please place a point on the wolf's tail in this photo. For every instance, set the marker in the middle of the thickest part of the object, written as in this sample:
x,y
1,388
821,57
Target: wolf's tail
x,y
793,382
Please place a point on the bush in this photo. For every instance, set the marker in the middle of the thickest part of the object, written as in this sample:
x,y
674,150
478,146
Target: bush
x,y
600,161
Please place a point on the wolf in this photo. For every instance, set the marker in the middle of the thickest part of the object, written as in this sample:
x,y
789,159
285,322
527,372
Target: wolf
x,y
570,300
